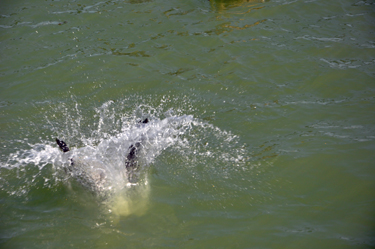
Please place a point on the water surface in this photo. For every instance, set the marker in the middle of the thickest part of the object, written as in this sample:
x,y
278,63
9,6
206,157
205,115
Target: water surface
x,y
262,132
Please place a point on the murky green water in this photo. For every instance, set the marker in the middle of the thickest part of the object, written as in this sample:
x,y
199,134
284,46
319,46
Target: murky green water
x,y
262,132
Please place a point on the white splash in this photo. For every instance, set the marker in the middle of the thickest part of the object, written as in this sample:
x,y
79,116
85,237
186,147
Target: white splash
x,y
99,140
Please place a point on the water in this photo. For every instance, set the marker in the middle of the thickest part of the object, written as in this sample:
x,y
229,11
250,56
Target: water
x,y
261,130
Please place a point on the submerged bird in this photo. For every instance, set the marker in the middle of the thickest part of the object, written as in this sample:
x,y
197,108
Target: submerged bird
x,y
131,162
94,177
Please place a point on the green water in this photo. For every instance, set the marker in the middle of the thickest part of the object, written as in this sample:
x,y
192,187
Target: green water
x,y
281,151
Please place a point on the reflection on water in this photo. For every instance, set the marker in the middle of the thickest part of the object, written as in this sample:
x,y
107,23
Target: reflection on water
x,y
220,5
138,1
245,26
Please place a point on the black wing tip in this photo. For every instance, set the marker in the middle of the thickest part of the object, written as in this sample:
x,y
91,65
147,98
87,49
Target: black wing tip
x,y
145,121
62,145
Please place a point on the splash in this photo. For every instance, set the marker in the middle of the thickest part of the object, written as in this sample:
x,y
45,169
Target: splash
x,y
102,168
99,140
